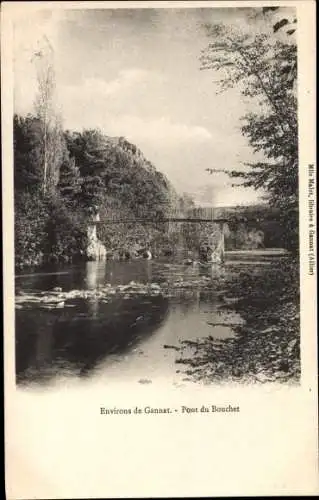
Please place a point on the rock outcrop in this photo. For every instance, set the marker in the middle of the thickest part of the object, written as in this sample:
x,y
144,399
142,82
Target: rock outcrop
x,y
212,249
95,249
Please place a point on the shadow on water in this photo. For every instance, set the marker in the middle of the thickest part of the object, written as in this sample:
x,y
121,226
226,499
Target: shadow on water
x,y
74,340
54,342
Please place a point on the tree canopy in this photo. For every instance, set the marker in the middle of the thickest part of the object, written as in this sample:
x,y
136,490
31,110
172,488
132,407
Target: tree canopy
x,y
261,69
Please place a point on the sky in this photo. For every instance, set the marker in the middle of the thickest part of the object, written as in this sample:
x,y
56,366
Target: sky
x,y
136,73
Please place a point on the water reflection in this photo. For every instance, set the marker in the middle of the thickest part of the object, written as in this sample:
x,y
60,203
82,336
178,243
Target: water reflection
x,y
74,340
52,341
134,330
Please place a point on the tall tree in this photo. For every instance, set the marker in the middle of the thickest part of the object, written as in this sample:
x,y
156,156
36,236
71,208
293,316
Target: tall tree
x,y
254,64
46,112
28,175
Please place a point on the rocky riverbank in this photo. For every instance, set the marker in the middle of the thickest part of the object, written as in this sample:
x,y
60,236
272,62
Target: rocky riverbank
x,y
266,348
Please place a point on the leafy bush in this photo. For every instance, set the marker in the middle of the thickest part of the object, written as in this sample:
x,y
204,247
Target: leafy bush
x,y
66,230
30,226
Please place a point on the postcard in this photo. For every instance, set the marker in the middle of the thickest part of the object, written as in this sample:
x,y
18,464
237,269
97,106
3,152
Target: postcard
x,y
159,176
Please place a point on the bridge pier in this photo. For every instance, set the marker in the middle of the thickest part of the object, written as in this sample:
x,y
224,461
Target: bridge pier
x,y
95,248
212,248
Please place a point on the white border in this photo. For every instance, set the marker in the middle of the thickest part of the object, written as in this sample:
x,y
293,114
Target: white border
x,y
269,449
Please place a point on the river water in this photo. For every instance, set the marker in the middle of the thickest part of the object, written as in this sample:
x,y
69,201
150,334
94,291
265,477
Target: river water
x,y
119,321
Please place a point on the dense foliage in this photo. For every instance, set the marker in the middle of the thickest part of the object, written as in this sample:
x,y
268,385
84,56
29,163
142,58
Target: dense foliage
x,y
93,171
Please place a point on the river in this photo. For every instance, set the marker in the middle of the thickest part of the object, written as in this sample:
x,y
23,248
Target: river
x,y
125,321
